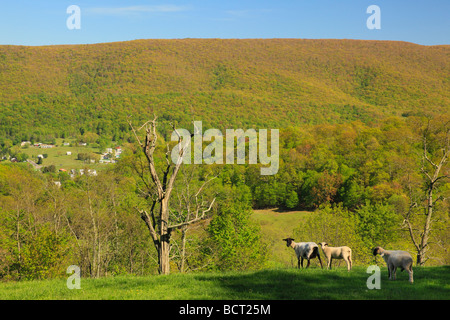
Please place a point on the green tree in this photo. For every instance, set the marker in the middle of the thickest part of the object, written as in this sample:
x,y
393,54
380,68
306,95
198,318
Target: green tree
x,y
236,239
378,224
292,200
46,254
337,226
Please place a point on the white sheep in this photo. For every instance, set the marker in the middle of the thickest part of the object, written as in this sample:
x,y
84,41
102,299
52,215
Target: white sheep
x,y
304,250
331,253
396,259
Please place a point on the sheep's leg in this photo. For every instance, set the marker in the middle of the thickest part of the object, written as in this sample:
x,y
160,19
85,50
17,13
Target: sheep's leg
x,y
298,263
307,265
347,262
302,262
411,276
389,272
329,263
394,270
320,260
350,261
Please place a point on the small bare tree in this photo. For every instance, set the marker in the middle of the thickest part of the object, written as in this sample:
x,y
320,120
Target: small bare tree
x,y
432,170
189,205
158,192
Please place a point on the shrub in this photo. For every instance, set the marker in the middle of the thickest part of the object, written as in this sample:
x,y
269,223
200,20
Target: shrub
x,y
236,239
45,255
336,226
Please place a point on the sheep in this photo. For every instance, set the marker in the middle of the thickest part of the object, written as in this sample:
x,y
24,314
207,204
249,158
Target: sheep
x,y
337,253
396,259
304,250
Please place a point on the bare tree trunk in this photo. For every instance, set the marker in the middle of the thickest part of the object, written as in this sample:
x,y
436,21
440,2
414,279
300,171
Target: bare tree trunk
x,y
184,230
160,192
423,247
19,248
164,246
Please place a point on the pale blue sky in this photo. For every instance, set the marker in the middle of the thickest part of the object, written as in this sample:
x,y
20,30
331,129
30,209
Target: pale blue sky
x,y
32,22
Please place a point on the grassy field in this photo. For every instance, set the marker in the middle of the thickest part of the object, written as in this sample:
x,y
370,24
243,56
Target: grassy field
x,y
58,156
280,281
276,225
271,284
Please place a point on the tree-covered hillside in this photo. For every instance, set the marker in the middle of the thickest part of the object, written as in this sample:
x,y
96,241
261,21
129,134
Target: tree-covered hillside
x,y
364,147
60,91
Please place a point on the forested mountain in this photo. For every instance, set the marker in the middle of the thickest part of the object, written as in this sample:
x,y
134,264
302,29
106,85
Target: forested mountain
x,y
364,147
67,90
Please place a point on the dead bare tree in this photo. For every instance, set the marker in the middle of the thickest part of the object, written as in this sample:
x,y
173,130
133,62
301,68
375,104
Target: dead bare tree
x,y
431,169
158,192
190,205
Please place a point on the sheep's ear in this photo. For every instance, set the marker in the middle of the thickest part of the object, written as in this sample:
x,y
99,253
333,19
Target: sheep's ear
x,y
375,251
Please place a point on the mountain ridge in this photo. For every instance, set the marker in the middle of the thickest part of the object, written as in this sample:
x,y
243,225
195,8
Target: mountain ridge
x,y
240,82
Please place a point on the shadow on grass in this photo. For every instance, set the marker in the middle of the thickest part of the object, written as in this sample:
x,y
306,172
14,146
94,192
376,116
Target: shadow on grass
x,y
315,283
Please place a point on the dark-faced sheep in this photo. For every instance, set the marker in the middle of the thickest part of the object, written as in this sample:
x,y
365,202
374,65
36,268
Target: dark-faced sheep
x,y
304,250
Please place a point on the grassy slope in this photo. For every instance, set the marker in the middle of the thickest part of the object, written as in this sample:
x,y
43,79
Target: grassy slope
x,y
58,156
280,282
275,226
275,284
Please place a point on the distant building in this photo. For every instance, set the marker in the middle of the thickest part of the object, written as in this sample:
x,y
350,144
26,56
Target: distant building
x,y
24,143
118,152
105,156
46,146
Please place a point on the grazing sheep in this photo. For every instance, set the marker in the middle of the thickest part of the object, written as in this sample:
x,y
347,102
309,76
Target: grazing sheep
x,y
304,250
396,259
337,253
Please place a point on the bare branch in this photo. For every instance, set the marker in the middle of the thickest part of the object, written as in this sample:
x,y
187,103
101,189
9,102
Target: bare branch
x,y
204,184
147,219
425,153
134,132
197,218
408,214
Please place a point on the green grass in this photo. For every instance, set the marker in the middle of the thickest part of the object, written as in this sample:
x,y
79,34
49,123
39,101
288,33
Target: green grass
x,y
58,156
273,284
280,281
276,225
